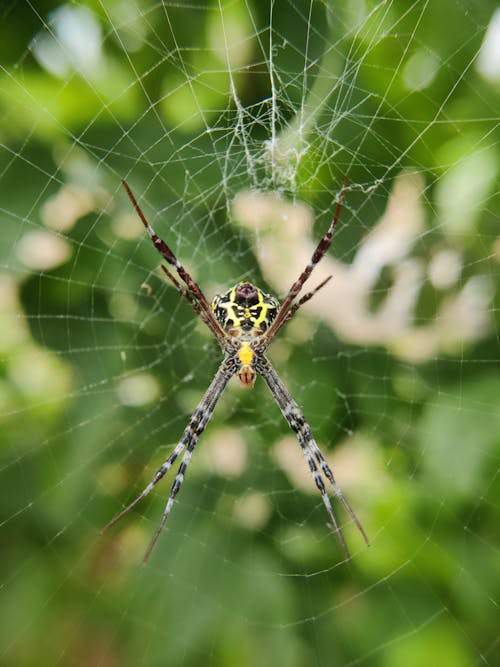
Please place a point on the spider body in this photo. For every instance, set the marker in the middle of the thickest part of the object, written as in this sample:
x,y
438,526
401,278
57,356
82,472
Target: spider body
x,y
246,308
244,321
245,312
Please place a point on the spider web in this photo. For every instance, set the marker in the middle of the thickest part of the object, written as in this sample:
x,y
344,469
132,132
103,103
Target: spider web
x,y
234,124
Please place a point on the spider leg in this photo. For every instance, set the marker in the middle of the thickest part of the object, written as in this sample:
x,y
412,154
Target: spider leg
x,y
190,299
192,432
174,490
302,301
193,288
182,291
304,435
301,428
327,471
161,472
317,255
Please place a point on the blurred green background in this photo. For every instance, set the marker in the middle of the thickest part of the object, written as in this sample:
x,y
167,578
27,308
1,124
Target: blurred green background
x,y
206,109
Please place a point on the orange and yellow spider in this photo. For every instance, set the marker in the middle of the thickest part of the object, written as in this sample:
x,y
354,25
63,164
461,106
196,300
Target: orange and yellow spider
x,y
244,321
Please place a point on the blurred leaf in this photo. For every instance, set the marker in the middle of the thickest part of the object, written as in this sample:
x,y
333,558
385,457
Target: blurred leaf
x,y
459,437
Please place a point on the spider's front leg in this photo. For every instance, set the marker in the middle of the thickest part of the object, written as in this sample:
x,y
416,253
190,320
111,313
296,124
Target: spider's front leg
x,y
296,420
196,425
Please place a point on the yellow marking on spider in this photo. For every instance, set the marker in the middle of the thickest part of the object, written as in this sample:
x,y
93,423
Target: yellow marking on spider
x,y
243,308
263,317
245,354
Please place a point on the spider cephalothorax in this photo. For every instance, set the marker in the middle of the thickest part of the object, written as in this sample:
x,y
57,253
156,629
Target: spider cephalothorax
x,y
244,321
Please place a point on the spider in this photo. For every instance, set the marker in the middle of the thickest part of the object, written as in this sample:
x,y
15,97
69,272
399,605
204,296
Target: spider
x,y
244,321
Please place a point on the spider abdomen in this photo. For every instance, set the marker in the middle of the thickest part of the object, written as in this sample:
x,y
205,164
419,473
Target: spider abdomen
x,y
245,308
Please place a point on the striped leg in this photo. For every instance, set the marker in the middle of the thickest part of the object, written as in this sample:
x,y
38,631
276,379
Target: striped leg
x,y
317,255
193,288
162,471
192,432
327,471
179,478
304,435
301,428
186,294
304,299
